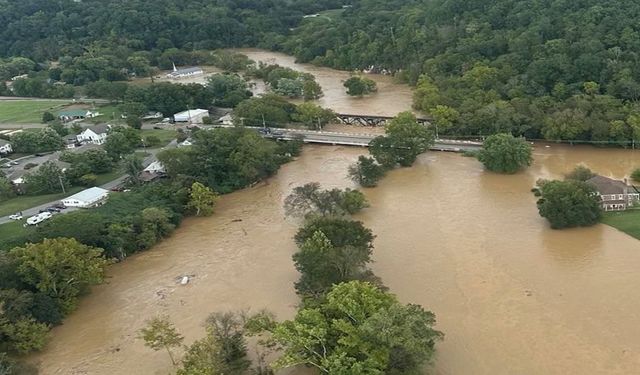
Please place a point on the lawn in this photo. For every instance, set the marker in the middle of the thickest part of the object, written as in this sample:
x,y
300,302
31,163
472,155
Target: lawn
x,y
12,234
27,111
108,113
165,135
24,202
624,221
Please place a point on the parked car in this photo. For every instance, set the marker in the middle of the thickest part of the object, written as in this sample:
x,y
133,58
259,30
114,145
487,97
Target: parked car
x,y
5,165
14,163
53,209
60,206
17,216
39,154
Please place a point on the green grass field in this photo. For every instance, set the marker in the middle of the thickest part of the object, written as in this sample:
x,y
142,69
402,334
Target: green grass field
x,y
27,111
164,135
624,221
13,234
108,113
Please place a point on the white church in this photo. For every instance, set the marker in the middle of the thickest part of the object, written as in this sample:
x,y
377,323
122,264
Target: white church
x,y
184,72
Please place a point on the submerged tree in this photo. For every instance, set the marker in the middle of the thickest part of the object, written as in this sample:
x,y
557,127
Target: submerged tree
x,y
359,86
569,204
366,172
357,329
161,334
202,199
310,199
504,153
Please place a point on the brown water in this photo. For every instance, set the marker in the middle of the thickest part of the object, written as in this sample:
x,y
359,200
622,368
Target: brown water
x,y
390,99
511,295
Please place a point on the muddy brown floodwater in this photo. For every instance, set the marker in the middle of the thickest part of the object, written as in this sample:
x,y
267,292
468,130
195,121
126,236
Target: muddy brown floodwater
x,y
511,295
390,99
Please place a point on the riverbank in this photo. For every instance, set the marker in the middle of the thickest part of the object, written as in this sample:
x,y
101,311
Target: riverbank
x,y
625,221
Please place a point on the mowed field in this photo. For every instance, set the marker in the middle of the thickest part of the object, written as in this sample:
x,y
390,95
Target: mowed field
x,y
27,111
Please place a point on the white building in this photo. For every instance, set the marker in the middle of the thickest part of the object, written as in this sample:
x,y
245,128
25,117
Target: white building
x,y
87,198
155,167
96,134
185,72
5,147
226,119
192,116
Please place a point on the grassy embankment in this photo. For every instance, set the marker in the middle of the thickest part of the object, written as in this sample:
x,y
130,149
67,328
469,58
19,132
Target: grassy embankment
x,y
28,111
624,221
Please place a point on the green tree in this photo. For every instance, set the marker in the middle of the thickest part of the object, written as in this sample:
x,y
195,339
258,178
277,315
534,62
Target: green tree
x,y
635,175
310,200
159,334
118,145
359,86
24,335
47,117
358,329
292,88
202,199
569,204
313,116
443,117
48,178
311,90
580,173
366,172
405,139
62,268
6,188
269,110
228,90
134,109
134,121
503,153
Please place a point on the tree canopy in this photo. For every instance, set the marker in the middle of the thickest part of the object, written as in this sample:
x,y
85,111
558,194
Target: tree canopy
x,y
569,203
503,153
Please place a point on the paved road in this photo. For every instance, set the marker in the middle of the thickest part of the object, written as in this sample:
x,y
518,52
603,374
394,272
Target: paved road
x,y
109,185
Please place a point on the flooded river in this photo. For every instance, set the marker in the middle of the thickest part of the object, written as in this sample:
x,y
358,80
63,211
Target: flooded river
x,y
511,295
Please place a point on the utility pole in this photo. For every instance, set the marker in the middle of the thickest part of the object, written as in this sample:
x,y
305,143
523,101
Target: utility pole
x,y
62,184
264,125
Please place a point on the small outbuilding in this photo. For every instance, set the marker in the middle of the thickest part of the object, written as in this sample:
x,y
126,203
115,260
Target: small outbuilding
x,y
88,198
184,72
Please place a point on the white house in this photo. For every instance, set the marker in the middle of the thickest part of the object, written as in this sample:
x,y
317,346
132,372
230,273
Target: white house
x,y
96,134
185,72
87,198
192,116
155,167
5,147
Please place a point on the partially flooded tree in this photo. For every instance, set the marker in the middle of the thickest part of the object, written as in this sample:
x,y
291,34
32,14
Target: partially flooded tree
x,y
366,172
308,200
202,199
161,334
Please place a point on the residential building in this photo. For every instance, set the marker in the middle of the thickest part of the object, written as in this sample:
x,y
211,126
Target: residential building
x,y
153,171
71,141
96,134
76,114
91,197
615,195
5,147
192,116
185,72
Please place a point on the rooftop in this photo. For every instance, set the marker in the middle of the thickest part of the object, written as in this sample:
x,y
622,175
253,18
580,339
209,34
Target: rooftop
x,y
73,113
100,128
89,195
607,186
193,69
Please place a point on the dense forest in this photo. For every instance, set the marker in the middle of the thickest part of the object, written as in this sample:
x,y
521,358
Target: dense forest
x,y
553,69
